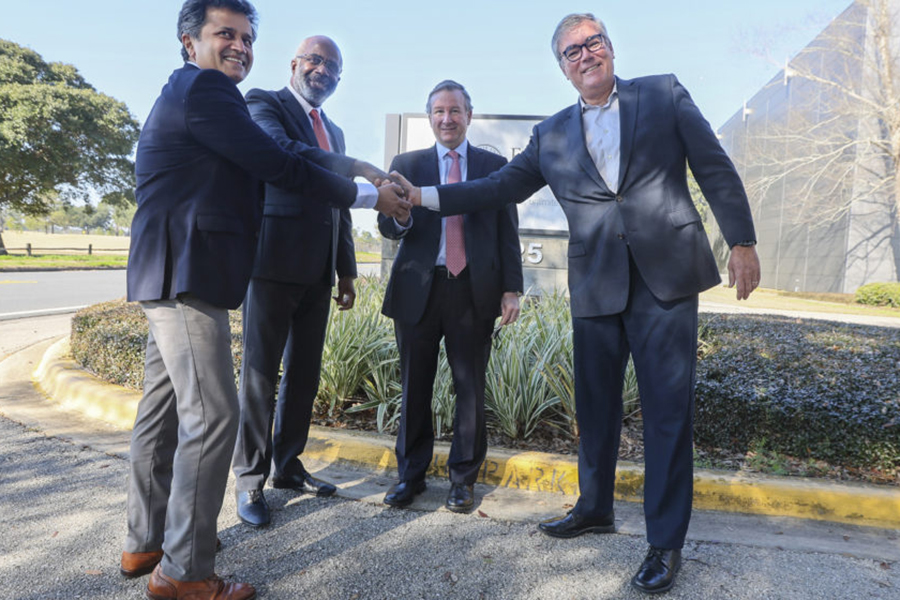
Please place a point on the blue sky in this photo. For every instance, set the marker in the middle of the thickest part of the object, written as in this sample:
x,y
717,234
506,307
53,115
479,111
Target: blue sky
x,y
395,51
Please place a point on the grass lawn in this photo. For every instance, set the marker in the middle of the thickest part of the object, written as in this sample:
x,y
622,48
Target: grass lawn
x,y
778,300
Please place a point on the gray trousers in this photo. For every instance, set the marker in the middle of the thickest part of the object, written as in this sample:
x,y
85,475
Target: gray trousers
x,y
183,436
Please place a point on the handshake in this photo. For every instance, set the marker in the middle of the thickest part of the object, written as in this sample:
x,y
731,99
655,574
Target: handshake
x,y
396,195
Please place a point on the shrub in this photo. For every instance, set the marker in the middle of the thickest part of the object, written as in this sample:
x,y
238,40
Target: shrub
x,y
809,389
879,294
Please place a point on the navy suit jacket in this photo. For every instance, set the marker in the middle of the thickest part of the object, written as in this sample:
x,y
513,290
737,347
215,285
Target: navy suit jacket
x,y
200,159
302,240
493,257
652,214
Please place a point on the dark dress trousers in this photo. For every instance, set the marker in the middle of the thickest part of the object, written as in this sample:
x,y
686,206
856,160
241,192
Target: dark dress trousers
x,y
302,242
427,306
638,259
200,159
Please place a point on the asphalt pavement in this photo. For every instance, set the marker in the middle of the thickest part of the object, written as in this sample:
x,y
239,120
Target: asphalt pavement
x,y
62,507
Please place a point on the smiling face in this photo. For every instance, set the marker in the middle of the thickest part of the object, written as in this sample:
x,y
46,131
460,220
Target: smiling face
x,y
316,82
592,74
449,117
225,44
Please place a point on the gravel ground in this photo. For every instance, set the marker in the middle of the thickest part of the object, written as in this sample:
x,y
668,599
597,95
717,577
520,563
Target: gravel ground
x,y
62,523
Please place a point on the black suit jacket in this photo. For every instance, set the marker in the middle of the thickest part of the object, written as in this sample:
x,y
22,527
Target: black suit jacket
x,y
493,256
662,131
199,163
302,240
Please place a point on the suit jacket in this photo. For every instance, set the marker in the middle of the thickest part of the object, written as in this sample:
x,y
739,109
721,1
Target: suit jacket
x,y
493,257
302,240
200,159
652,214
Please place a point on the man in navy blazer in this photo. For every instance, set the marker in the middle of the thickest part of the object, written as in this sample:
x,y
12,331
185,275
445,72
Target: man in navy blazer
x,y
438,289
199,163
302,242
638,258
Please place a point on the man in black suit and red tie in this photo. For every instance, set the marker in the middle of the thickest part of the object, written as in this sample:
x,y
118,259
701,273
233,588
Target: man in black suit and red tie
x,y
199,163
302,242
638,259
451,279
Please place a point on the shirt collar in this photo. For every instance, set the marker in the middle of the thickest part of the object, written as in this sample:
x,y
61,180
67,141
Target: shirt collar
x,y
303,103
614,95
462,149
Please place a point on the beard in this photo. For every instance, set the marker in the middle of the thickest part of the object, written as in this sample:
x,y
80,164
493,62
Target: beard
x,y
315,88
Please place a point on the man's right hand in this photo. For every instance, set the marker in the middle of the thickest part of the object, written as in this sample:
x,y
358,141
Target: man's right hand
x,y
413,193
391,202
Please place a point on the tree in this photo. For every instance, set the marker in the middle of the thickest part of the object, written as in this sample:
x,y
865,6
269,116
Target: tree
x,y
59,137
819,150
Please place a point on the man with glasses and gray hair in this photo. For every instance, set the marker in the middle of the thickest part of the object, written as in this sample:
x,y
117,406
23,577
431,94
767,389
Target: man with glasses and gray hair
x,y
638,258
302,242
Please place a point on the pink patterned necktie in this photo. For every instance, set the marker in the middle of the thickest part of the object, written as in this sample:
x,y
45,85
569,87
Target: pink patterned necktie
x,y
319,130
456,242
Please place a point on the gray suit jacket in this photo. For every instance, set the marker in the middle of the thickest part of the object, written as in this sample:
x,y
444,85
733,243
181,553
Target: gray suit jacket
x,y
662,131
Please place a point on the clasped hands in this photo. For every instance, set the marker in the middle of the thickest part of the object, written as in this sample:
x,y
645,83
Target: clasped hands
x,y
392,200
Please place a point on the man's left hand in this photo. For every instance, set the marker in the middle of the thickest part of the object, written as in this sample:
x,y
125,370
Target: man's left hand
x,y
743,270
509,308
346,293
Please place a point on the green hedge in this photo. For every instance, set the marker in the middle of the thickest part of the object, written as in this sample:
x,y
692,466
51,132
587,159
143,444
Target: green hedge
x,y
879,294
807,389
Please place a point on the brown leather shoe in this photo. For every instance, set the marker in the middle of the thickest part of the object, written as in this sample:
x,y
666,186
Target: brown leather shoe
x,y
135,564
161,587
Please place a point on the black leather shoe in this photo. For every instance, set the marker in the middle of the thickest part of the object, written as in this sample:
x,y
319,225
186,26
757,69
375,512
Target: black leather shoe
x,y
402,493
252,508
304,483
657,573
461,498
573,525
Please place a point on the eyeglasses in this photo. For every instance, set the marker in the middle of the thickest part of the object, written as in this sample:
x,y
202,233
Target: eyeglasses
x,y
316,61
595,43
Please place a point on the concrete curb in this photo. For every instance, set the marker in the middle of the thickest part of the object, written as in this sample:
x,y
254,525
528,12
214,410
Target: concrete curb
x,y
858,504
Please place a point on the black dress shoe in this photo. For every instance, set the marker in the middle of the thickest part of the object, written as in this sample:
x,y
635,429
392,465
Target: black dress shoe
x,y
573,525
252,508
461,498
402,493
304,483
657,573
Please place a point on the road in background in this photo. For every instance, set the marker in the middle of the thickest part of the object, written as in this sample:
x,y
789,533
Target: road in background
x,y
35,293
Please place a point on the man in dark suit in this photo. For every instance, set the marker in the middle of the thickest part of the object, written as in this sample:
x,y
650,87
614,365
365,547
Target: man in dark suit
x,y
638,258
302,242
450,279
199,163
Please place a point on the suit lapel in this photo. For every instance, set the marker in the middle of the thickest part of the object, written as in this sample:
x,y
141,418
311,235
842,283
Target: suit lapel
x,y
336,140
629,94
575,141
293,108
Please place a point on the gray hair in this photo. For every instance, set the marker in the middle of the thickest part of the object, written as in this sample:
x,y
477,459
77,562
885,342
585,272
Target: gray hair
x,y
448,85
192,17
571,22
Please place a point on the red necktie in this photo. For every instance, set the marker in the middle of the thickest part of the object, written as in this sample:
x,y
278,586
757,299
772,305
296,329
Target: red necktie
x,y
319,129
455,239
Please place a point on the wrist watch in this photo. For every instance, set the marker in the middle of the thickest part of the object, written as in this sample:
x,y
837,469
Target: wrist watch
x,y
746,243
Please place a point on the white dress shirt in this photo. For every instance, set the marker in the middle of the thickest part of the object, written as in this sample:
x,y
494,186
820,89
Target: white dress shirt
x,y
603,137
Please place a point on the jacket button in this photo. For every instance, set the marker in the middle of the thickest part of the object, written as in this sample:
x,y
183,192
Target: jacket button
x,y
619,198
621,236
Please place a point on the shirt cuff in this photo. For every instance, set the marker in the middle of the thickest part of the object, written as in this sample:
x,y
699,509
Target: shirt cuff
x,y
430,198
366,195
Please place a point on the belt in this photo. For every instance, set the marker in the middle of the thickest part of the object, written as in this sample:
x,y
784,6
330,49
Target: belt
x,y
442,272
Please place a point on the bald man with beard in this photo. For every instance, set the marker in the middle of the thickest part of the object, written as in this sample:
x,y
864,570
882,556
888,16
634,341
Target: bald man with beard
x,y
301,246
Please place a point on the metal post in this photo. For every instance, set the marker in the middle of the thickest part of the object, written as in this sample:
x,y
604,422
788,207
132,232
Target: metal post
x,y
28,248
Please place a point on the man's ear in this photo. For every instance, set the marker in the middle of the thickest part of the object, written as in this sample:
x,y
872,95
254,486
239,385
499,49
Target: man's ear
x,y
188,43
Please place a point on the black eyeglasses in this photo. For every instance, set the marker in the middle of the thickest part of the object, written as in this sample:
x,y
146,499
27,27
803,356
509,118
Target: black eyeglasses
x,y
316,61
595,43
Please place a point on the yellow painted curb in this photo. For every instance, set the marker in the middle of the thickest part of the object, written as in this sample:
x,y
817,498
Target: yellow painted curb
x,y
860,504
